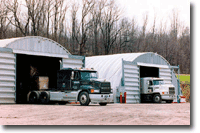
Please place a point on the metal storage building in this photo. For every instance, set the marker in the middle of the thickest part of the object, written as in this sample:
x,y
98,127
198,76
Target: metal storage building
x,y
124,72
19,57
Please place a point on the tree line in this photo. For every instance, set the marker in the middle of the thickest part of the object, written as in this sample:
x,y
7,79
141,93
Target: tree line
x,y
96,27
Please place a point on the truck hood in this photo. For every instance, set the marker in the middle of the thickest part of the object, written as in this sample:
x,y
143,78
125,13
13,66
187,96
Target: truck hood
x,y
164,85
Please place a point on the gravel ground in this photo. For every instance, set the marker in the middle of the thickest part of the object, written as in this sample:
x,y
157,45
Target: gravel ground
x,y
112,114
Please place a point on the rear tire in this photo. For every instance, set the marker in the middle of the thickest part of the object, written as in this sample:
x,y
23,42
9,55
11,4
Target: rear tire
x,y
157,98
34,97
44,97
102,104
84,98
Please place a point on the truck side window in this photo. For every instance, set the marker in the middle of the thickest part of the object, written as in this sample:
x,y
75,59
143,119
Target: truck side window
x,y
76,76
150,83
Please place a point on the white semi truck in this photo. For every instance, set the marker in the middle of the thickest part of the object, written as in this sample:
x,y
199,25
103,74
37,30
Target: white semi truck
x,y
155,90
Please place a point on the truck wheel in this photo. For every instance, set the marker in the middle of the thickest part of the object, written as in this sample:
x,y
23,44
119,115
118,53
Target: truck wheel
x,y
34,97
102,104
157,98
84,98
44,97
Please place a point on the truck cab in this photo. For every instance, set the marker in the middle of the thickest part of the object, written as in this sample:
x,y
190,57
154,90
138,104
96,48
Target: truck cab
x,y
155,89
81,85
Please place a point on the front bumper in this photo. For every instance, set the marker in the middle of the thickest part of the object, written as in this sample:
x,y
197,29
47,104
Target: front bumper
x,y
167,97
101,98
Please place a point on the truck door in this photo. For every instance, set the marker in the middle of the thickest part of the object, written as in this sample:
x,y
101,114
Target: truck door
x,y
76,80
64,80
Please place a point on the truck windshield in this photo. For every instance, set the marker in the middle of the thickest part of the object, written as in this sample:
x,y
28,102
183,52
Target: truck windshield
x,y
88,75
158,82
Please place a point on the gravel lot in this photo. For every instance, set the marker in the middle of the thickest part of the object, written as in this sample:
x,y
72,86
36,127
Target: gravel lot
x,y
112,114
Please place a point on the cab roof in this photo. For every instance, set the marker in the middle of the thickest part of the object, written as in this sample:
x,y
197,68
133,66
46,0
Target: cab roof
x,y
153,78
76,69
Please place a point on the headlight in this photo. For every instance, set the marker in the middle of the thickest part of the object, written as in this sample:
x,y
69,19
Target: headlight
x,y
111,90
164,93
96,91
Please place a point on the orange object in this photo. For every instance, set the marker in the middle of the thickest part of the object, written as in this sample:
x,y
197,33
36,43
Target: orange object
x,y
120,97
124,97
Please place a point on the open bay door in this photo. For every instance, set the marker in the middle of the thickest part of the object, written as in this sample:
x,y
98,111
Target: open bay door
x,y
73,61
164,72
131,79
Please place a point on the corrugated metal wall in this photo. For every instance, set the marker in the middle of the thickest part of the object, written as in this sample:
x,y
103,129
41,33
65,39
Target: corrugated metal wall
x,y
131,76
73,62
7,77
166,74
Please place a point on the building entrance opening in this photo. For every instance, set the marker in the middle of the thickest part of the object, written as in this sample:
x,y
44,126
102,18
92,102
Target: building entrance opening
x,y
28,68
149,72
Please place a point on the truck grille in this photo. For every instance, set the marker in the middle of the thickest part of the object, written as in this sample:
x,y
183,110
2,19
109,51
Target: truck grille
x,y
171,91
105,88
105,84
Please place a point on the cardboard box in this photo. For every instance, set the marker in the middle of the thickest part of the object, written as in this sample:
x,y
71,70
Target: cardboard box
x,y
42,82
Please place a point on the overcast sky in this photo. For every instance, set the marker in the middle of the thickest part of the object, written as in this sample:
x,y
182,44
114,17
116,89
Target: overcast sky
x,y
162,9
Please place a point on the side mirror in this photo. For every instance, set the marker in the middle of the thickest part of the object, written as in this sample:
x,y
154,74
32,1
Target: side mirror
x,y
72,76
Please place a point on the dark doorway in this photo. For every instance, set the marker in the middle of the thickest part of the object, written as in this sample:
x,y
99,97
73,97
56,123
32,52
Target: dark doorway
x,y
149,72
28,67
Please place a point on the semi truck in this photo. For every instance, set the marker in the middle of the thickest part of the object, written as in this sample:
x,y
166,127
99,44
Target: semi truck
x,y
74,85
155,90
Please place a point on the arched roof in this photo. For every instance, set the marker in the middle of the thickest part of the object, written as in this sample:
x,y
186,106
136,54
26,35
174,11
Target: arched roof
x,y
109,64
109,67
34,45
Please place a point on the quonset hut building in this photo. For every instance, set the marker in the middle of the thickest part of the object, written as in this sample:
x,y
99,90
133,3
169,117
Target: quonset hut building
x,y
125,70
23,57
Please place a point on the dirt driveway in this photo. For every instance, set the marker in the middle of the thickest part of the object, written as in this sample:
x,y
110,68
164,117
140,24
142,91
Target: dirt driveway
x,y
112,114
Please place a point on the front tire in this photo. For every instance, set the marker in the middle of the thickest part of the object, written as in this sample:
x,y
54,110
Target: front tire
x,y
84,98
157,98
102,104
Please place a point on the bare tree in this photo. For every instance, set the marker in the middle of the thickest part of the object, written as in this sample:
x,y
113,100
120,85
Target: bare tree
x,y
109,19
14,8
144,26
74,29
3,19
99,29
96,19
58,17
87,6
35,9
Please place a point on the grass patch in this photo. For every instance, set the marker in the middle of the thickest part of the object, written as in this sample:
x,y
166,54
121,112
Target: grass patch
x,y
184,78
185,85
